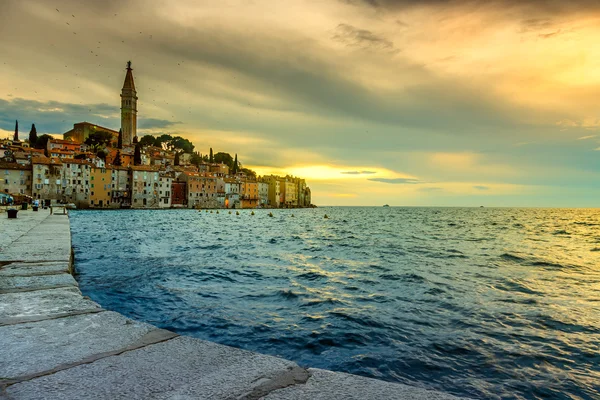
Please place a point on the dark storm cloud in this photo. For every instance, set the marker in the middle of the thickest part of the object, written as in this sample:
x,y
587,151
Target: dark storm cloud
x,y
315,85
397,181
153,123
362,38
57,117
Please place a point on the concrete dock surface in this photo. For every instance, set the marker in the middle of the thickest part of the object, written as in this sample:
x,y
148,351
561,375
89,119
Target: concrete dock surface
x,y
57,344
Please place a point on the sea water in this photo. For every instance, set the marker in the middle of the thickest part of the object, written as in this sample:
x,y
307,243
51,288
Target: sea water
x,y
479,302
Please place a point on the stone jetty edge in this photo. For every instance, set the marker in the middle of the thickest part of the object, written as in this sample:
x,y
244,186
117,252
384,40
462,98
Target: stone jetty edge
x,y
56,343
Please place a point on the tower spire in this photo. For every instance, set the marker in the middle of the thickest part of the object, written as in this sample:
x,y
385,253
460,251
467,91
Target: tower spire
x,y
128,107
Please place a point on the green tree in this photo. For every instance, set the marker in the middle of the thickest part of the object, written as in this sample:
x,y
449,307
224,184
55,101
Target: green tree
x,y
196,159
137,153
224,158
42,141
176,161
163,141
211,159
147,140
32,136
117,161
99,139
249,173
235,165
120,140
179,143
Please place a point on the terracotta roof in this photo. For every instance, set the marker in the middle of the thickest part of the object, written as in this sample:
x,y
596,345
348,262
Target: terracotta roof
x,y
153,168
46,160
7,165
61,141
75,161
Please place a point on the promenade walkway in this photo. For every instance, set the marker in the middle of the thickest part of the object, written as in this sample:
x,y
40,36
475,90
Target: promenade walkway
x,y
57,344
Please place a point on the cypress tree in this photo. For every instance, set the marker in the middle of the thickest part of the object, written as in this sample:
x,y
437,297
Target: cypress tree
x,y
211,159
16,138
117,160
120,140
235,165
176,162
32,136
137,155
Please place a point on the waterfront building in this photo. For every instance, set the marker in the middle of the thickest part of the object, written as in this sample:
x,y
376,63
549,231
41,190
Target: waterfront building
x,y
120,187
232,193
144,186
100,187
307,198
301,191
165,181
201,189
47,178
263,193
128,108
274,196
249,194
221,193
289,192
76,173
15,178
178,193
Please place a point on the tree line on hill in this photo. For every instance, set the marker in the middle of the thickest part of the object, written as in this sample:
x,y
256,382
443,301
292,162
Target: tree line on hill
x,y
98,141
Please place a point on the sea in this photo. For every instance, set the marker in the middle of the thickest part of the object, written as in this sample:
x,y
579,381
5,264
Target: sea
x,y
495,303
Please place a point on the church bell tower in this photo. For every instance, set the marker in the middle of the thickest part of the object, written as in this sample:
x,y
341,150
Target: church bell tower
x,y
128,108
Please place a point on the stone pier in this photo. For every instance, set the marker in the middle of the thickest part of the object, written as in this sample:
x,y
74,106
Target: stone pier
x,y
57,344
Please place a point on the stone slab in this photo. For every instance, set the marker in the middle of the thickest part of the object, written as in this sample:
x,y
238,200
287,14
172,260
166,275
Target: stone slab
x,y
32,269
36,237
340,386
42,303
32,348
180,368
31,250
22,283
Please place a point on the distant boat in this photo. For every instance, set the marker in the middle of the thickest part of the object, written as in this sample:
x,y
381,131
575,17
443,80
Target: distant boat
x,y
386,205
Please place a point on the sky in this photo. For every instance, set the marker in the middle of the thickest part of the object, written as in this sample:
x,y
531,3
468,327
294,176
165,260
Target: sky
x,y
429,103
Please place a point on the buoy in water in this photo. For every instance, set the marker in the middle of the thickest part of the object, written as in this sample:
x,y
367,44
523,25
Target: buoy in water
x,y
237,213
229,212
211,211
217,211
292,215
270,214
326,217
252,213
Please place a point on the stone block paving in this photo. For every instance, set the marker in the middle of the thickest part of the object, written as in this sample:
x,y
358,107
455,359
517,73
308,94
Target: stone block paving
x,y
57,344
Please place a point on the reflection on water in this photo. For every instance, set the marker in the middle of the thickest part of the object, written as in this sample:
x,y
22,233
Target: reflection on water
x,y
494,303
